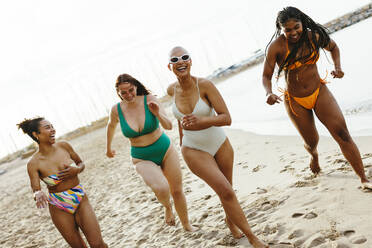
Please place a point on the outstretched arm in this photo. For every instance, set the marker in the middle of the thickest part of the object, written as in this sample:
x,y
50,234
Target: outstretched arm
x,y
39,196
335,53
110,131
267,75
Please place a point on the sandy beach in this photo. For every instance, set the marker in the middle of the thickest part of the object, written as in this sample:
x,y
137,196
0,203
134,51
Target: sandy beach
x,y
284,203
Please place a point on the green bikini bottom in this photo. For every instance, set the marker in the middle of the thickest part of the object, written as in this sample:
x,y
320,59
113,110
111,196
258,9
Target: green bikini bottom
x,y
154,152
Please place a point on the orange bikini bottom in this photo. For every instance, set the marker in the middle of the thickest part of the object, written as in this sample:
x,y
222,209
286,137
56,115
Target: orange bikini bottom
x,y
307,102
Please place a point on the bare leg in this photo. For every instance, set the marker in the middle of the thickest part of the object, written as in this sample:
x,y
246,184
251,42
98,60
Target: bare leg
x,y
67,226
225,161
329,113
87,221
304,122
153,176
204,166
172,172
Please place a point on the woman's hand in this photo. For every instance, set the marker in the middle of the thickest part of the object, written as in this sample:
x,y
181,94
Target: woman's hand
x,y
68,171
41,199
337,73
153,107
110,153
192,122
272,99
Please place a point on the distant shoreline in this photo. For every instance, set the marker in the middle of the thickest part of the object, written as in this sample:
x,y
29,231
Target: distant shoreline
x,y
257,57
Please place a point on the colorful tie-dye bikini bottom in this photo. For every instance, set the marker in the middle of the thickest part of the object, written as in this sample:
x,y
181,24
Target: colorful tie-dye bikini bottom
x,y
68,200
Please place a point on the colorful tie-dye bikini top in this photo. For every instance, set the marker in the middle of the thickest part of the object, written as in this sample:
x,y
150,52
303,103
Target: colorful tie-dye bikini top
x,y
51,180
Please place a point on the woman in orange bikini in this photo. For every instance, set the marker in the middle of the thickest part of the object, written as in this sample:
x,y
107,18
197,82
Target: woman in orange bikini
x,y
296,52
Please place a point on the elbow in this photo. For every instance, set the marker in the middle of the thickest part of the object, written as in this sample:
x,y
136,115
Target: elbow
x,y
168,126
228,120
110,126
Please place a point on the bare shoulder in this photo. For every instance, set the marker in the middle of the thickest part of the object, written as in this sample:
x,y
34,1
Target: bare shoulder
x,y
170,89
33,163
64,145
114,109
278,44
151,97
205,84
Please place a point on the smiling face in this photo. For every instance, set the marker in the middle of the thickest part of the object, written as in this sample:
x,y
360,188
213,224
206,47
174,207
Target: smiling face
x,y
46,133
182,67
292,30
127,91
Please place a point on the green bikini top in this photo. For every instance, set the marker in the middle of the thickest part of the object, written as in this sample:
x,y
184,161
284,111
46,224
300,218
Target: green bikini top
x,y
151,122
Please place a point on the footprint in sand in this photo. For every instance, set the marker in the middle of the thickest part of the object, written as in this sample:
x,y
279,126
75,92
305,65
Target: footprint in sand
x,y
354,239
360,239
228,240
261,191
367,155
310,215
296,234
266,206
296,215
287,168
258,167
308,183
207,197
141,241
315,240
348,233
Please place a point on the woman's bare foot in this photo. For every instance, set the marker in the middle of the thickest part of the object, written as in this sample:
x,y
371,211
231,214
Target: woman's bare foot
x,y
169,217
236,233
314,162
314,165
367,185
189,228
256,243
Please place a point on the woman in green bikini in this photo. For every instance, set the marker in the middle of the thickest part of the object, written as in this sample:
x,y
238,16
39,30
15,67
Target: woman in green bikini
x,y
153,155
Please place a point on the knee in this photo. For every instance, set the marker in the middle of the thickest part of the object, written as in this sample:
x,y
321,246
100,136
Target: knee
x,y
343,135
226,193
161,190
177,193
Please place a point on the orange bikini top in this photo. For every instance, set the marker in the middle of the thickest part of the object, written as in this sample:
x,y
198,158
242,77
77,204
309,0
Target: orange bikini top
x,y
312,59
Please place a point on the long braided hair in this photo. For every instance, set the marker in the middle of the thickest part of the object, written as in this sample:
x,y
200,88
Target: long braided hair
x,y
308,25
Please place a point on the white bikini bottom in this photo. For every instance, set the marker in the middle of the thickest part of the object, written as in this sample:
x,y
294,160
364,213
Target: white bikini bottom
x,y
207,140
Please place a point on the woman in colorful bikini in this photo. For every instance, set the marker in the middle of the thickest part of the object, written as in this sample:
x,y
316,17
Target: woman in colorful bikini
x,y
69,206
201,112
296,52
153,154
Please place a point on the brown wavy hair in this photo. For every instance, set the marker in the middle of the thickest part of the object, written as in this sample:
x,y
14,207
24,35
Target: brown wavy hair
x,y
126,78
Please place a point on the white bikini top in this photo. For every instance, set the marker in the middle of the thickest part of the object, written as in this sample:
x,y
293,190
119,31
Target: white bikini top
x,y
200,108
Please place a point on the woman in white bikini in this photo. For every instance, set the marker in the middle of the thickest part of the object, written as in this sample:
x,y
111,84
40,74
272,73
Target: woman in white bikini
x,y
201,111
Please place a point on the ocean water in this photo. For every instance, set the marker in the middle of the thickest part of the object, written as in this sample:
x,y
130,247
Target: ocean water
x,y
245,95
60,59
